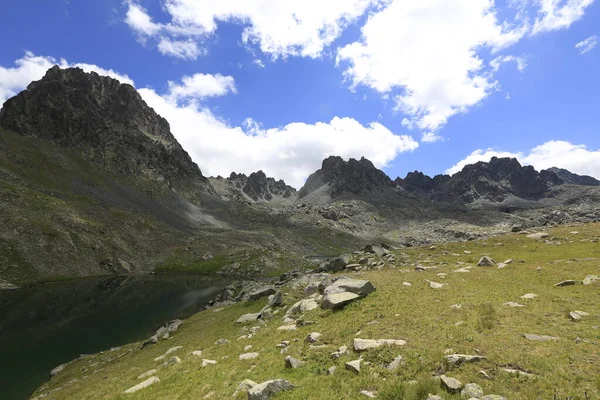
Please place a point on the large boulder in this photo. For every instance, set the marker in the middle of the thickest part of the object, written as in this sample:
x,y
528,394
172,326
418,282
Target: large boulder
x,y
261,292
356,286
265,390
338,300
248,318
376,249
302,306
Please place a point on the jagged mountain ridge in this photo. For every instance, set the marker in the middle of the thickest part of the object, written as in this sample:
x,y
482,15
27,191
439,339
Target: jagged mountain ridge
x,y
256,187
571,178
108,123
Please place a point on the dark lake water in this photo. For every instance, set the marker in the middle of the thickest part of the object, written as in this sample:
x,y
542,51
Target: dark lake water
x,y
45,326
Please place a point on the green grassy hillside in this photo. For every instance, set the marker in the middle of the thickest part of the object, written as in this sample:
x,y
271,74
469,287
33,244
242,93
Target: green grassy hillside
x,y
479,323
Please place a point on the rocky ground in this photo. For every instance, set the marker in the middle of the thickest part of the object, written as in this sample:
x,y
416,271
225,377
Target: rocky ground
x,y
513,316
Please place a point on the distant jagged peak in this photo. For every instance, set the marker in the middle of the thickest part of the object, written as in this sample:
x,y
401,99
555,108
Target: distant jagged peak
x,y
258,187
572,178
352,176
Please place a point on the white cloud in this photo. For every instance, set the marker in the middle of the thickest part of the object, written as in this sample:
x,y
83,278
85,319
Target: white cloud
x,y
558,14
185,49
431,137
32,68
414,47
291,152
555,153
199,86
498,61
586,45
279,28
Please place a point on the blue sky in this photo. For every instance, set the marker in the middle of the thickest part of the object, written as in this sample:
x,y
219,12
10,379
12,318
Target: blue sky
x,y
424,85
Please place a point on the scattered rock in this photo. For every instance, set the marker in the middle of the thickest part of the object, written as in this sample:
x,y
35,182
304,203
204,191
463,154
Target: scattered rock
x,y
265,390
143,385
344,285
341,351
172,361
461,270
484,375
197,353
472,390
435,285
539,338
331,370
354,366
406,283
313,337
335,265
368,394
261,292
57,370
376,249
486,261
222,341
206,362
302,306
538,235
459,359
338,300
275,300
513,304
244,387
434,397
569,282
248,356
147,374
517,372
575,316
368,344
590,279
290,327
171,350
291,362
248,318
501,265
529,296
452,385
395,364
456,307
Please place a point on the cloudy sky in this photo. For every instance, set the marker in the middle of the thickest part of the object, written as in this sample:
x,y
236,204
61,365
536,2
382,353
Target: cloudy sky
x,y
428,85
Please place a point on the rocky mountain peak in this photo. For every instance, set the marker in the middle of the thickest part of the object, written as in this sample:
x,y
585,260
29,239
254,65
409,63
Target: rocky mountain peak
x,y
259,187
352,176
108,123
571,178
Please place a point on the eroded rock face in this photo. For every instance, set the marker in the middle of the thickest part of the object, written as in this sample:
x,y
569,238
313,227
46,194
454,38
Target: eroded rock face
x,y
108,123
259,187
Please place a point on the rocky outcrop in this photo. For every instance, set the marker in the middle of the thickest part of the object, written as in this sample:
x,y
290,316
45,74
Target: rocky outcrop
x,y
571,178
352,176
109,124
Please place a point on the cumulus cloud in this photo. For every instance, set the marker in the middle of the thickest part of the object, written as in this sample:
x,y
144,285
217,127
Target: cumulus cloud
x,y
431,137
586,45
291,152
413,46
498,61
199,86
555,153
278,28
32,68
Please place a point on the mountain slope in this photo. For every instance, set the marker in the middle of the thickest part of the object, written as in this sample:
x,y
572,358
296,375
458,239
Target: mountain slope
x,y
109,124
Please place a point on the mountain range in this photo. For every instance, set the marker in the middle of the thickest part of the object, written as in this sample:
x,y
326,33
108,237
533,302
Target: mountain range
x,y
93,182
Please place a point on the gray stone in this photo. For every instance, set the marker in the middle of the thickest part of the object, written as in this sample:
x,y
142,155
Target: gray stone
x,y
313,337
335,265
529,296
276,300
395,364
338,300
248,318
57,370
172,361
569,282
265,390
574,316
513,304
590,279
171,350
517,372
244,387
538,235
143,385
459,359
368,394
206,362
302,306
291,362
261,292
248,356
331,370
222,341
486,261
356,286
472,390
452,385
197,353
435,285
376,249
354,366
368,344
312,288
539,338
147,374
